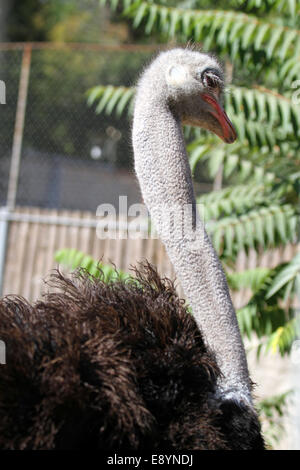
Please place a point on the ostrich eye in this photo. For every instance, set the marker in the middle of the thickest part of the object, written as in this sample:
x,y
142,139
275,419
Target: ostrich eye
x,y
211,78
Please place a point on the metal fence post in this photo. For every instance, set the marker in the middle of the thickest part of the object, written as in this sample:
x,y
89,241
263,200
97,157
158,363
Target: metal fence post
x,y
19,129
3,238
15,156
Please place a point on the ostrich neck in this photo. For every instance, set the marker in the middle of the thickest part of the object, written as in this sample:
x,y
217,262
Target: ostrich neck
x,y
165,178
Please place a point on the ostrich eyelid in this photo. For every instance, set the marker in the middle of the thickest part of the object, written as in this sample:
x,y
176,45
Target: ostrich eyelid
x,y
213,73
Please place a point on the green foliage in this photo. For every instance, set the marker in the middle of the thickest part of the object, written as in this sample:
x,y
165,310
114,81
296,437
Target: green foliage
x,y
265,107
234,32
55,20
268,313
263,227
254,279
290,7
288,278
72,259
271,411
33,20
111,98
233,200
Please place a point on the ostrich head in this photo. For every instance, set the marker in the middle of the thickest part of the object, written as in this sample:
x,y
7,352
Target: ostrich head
x,y
192,84
195,88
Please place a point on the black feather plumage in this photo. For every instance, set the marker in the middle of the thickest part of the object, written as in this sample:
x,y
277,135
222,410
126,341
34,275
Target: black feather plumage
x,y
112,366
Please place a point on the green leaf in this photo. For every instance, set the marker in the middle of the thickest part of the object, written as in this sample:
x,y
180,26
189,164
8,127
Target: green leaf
x,y
115,97
286,275
197,154
140,14
74,259
125,99
215,161
108,92
274,39
175,17
186,19
247,34
152,18
284,47
261,34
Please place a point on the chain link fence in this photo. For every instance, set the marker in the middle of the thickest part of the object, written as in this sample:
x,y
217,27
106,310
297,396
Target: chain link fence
x,y
70,157
10,68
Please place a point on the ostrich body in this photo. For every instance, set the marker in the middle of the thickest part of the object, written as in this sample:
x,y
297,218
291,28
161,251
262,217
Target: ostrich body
x,y
124,364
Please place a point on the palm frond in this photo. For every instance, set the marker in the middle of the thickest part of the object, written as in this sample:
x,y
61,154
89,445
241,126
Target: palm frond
x,y
290,7
234,199
111,99
254,279
261,105
288,279
289,72
232,31
253,318
262,227
73,259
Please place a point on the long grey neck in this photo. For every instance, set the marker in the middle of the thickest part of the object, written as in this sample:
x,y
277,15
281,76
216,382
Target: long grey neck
x,y
165,178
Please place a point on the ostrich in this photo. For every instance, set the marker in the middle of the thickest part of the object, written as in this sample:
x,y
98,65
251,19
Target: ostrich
x,y
124,365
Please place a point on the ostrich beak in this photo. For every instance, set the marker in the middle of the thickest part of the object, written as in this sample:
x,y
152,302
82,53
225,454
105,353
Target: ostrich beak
x,y
228,133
